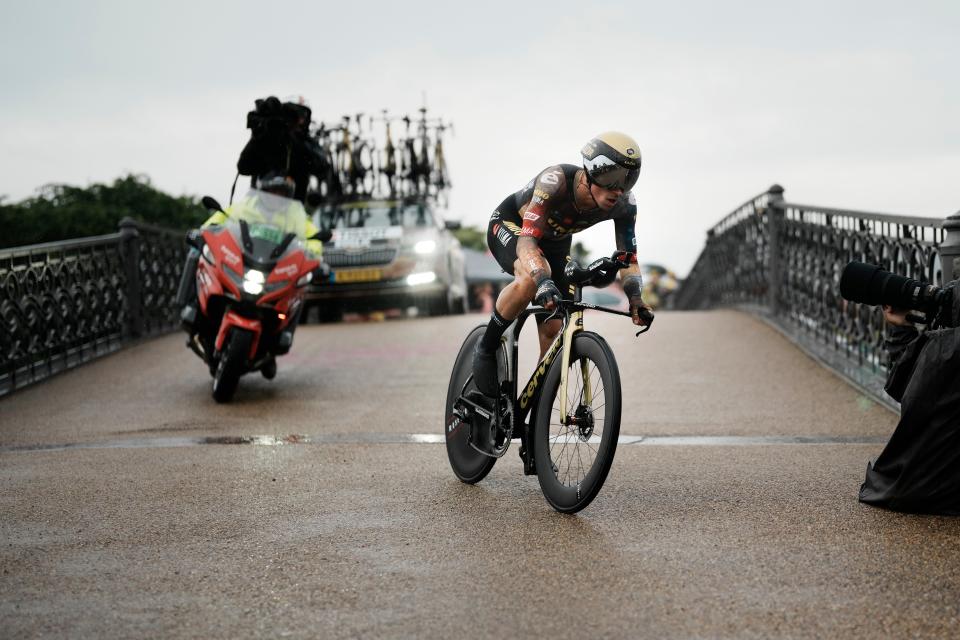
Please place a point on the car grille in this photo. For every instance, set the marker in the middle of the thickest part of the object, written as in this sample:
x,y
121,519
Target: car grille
x,y
344,258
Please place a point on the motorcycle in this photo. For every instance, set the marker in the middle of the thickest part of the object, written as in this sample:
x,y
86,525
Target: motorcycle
x,y
251,277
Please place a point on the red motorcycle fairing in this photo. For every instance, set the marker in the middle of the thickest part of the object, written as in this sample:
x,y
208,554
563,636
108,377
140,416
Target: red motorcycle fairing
x,y
212,279
289,270
232,319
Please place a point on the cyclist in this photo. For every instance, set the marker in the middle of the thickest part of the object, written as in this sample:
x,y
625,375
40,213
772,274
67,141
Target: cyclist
x,y
530,234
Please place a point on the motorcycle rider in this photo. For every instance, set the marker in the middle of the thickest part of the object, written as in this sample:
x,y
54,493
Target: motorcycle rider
x,y
530,235
277,184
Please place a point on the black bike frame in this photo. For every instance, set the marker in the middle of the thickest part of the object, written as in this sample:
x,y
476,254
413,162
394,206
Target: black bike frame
x,y
523,403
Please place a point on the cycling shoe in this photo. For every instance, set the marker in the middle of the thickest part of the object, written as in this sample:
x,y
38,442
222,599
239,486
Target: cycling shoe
x,y
485,372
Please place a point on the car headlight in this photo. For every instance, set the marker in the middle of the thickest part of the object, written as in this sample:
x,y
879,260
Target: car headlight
x,y
425,246
253,281
424,277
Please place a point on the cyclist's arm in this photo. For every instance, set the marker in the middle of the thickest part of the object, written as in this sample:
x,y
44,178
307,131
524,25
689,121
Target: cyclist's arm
x,y
549,185
625,228
531,258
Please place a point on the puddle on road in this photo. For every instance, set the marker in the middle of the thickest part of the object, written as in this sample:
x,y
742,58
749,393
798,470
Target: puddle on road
x,y
426,438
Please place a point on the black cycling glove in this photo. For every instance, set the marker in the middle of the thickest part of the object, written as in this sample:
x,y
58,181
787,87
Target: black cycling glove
x,y
547,292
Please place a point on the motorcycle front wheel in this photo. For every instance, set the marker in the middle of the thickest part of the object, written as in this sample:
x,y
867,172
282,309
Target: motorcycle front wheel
x,y
231,365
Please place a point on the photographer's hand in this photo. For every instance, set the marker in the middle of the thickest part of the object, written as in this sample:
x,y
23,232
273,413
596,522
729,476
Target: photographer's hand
x,y
896,317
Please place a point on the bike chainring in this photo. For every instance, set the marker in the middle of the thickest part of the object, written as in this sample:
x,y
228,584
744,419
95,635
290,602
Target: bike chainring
x,y
490,421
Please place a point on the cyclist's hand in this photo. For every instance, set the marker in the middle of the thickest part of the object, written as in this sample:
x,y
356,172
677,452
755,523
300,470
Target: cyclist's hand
x,y
641,312
547,294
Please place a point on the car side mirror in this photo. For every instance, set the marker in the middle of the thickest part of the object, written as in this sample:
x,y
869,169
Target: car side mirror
x,y
210,203
452,225
324,235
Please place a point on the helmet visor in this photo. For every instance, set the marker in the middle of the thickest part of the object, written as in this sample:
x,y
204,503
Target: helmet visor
x,y
609,175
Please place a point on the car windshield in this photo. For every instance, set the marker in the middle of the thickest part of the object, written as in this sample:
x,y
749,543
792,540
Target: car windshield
x,y
377,214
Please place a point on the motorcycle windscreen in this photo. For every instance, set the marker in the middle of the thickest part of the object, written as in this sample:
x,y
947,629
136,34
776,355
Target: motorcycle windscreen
x,y
919,469
269,219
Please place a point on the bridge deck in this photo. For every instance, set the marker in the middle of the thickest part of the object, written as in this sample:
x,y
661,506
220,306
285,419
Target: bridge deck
x,y
372,535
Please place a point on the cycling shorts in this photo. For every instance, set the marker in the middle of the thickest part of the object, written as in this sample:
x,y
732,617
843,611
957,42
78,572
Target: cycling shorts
x,y
503,231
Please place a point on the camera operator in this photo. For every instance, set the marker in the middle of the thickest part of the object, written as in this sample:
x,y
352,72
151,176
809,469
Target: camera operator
x,y
919,468
280,142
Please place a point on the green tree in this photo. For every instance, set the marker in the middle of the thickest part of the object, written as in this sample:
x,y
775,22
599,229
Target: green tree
x,y
63,212
472,238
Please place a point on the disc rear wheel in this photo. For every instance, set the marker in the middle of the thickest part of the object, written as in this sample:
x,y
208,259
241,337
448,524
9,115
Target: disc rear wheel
x,y
469,465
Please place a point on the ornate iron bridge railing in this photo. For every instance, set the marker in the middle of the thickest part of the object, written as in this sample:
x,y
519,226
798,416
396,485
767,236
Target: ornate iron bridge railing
x,y
64,303
783,262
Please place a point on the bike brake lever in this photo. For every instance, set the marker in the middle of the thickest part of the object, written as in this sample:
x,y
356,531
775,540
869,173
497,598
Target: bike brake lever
x,y
649,317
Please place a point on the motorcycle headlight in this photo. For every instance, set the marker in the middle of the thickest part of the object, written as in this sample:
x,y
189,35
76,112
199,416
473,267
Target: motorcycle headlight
x,y
253,281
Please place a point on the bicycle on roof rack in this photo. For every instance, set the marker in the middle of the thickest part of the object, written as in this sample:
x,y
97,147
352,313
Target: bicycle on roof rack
x,y
573,401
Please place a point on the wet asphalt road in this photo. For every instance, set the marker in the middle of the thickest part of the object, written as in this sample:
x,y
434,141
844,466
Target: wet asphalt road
x,y
367,537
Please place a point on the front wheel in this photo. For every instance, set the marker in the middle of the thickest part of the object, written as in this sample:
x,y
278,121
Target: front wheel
x,y
231,365
573,457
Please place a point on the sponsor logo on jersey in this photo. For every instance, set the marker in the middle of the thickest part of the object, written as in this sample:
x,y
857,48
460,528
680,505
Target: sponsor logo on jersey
x,y
540,193
504,236
552,177
531,216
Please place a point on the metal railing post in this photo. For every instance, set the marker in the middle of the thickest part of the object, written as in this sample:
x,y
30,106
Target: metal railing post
x,y
130,253
950,248
775,215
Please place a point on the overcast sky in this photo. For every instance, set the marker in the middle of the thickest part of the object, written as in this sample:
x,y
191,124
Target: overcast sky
x,y
846,104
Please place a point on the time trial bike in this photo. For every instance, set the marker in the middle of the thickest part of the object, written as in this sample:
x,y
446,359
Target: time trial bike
x,y
567,416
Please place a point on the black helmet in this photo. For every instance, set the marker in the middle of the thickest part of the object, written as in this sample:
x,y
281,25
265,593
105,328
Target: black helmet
x,y
278,183
612,161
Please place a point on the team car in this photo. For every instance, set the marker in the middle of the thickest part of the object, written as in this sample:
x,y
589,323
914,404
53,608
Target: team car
x,y
388,254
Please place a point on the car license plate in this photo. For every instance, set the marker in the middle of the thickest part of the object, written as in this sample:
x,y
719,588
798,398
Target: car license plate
x,y
357,275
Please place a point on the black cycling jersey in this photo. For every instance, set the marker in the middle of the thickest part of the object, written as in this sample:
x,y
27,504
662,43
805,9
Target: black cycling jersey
x,y
547,208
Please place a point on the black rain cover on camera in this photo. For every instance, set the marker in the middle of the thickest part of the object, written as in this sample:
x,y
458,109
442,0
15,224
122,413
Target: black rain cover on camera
x,y
919,469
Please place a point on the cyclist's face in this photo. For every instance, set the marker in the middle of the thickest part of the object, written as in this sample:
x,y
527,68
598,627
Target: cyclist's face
x,y
606,198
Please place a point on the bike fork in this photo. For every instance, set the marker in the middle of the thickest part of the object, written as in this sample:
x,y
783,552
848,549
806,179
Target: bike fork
x,y
574,325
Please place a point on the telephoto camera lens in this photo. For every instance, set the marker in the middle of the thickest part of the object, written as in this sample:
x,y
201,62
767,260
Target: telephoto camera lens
x,y
869,284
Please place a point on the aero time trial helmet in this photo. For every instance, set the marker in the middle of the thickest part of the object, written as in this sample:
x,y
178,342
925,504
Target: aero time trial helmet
x,y
612,161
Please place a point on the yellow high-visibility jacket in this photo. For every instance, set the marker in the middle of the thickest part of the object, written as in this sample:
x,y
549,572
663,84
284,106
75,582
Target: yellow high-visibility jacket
x,y
260,207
